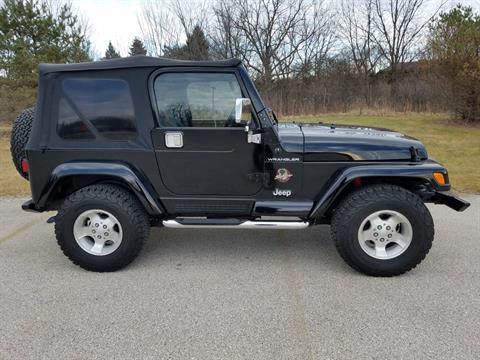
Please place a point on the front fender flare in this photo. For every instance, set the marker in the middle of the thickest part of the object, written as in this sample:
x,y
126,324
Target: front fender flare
x,y
422,171
118,172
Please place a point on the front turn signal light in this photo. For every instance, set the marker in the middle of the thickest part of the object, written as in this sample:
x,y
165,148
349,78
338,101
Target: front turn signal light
x,y
440,178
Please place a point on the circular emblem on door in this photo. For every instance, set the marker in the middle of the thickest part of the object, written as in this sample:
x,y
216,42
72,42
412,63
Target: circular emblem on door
x,y
283,175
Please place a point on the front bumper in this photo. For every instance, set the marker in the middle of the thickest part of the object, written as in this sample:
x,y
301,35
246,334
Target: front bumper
x,y
451,200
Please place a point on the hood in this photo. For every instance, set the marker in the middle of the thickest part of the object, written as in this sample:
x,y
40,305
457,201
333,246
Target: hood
x,y
346,143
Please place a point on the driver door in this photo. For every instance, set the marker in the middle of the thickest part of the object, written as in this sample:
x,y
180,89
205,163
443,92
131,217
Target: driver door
x,y
200,150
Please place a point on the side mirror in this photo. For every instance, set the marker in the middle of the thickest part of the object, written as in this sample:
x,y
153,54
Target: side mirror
x,y
243,111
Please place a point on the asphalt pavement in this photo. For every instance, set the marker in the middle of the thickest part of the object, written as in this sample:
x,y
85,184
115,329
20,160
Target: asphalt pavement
x,y
237,294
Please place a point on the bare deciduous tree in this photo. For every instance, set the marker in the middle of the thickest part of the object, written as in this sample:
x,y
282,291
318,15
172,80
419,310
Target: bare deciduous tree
x,y
270,29
159,26
356,28
166,24
226,40
190,14
398,25
318,29
303,53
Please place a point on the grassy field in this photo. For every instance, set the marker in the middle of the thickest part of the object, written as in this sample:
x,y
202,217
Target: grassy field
x,y
456,147
11,184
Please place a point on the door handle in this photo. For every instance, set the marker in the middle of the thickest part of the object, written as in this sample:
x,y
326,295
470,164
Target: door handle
x,y
174,139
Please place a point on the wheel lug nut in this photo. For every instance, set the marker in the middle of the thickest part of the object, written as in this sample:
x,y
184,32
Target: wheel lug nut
x,y
379,227
375,234
99,236
106,234
382,239
93,231
104,226
96,225
388,227
389,235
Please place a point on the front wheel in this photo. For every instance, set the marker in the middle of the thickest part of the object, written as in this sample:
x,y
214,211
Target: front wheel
x,y
101,227
382,230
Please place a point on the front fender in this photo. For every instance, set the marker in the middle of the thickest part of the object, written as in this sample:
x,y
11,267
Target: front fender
x,y
101,171
422,171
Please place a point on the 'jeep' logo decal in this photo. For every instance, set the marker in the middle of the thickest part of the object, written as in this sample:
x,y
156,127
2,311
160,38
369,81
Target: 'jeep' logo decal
x,y
279,192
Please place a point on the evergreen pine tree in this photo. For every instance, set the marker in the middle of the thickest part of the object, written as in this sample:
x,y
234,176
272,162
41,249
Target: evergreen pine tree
x,y
31,33
455,48
111,53
196,47
137,48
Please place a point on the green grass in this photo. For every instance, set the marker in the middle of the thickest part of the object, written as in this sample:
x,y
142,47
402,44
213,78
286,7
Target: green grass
x,y
11,183
456,147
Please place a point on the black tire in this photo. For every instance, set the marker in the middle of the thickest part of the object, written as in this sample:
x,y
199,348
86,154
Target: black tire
x,y
356,207
123,205
20,134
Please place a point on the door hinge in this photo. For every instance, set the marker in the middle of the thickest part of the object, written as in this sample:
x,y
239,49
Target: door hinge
x,y
254,138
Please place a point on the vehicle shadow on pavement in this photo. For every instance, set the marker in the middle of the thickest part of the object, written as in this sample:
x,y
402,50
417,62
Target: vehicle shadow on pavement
x,y
308,247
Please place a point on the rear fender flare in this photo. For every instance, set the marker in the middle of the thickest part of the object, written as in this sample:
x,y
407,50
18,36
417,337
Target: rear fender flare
x,y
103,171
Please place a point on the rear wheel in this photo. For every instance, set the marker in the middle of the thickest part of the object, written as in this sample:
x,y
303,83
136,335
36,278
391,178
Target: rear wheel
x,y
382,230
20,134
101,227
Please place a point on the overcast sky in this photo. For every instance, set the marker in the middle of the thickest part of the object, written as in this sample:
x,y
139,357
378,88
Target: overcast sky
x,y
116,21
110,20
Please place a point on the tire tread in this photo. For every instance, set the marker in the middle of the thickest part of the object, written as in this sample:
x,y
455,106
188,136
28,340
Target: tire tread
x,y
367,195
19,137
114,194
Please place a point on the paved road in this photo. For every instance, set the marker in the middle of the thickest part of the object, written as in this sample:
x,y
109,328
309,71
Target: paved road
x,y
237,295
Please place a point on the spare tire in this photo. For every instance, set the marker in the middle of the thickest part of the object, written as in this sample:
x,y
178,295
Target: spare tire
x,y
19,138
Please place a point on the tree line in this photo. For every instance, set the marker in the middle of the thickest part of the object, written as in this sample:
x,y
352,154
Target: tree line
x,y
306,56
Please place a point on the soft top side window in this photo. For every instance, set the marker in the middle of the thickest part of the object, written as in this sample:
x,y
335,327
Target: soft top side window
x,y
90,107
196,99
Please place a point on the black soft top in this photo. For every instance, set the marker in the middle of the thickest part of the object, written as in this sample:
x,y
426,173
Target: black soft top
x,y
133,62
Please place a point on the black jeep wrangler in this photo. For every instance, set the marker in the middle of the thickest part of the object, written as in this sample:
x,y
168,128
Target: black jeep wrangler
x,y
120,145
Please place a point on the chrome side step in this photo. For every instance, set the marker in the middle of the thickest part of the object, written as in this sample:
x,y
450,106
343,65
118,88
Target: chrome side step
x,y
184,223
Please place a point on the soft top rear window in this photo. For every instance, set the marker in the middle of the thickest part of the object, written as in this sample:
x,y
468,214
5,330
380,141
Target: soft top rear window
x,y
93,107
